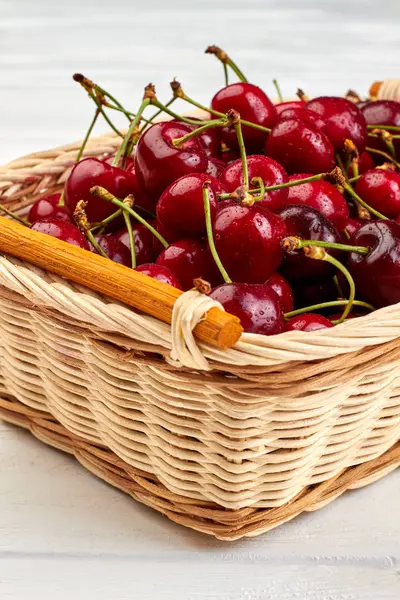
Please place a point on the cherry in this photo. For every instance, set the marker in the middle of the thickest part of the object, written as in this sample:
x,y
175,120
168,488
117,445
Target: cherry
x,y
215,166
307,322
382,112
47,208
288,105
257,306
321,195
271,172
189,259
307,223
253,105
160,273
144,242
158,162
313,293
283,289
380,189
209,140
181,206
91,172
141,199
168,235
300,147
115,249
351,225
344,120
247,239
365,163
304,114
377,274
62,230
129,163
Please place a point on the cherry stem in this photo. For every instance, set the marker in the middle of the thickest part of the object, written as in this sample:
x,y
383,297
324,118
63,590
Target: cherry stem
x,y
126,205
272,188
83,225
385,154
321,254
90,237
174,115
356,172
104,114
322,305
239,134
341,166
130,115
14,216
388,127
360,201
210,236
178,142
123,147
291,243
105,221
226,75
88,134
354,179
261,186
278,90
158,112
131,238
226,60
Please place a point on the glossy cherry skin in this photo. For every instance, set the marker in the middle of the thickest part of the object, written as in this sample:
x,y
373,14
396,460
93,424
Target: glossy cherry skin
x,y
248,241
365,163
309,294
351,225
257,306
158,162
283,289
300,147
321,195
62,230
144,242
288,105
128,164
302,113
344,120
307,322
271,172
91,172
141,199
309,224
47,208
181,205
115,249
189,259
253,105
377,274
382,112
215,166
381,190
209,139
160,273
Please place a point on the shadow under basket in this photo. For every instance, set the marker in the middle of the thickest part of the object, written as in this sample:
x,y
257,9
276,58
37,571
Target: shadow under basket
x,y
231,442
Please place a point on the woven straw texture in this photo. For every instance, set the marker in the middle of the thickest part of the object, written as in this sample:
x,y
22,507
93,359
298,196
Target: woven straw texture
x,y
245,429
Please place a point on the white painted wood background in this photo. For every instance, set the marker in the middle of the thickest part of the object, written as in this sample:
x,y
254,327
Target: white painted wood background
x,y
64,534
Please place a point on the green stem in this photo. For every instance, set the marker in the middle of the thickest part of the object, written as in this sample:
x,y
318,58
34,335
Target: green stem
x,y
292,243
333,261
280,186
104,114
14,216
131,239
341,165
388,127
88,133
226,61
385,154
330,304
278,90
242,149
105,195
174,115
105,221
226,76
354,179
178,142
132,126
89,235
261,186
359,200
130,115
210,237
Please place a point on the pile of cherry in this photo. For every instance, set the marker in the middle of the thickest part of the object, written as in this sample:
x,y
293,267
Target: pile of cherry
x,y
287,214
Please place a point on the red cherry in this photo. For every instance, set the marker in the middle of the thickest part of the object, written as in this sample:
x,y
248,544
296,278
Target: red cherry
x,y
381,190
129,163
158,162
288,105
351,225
144,242
160,273
253,105
188,259
62,230
321,195
344,120
283,289
271,172
209,140
382,112
257,306
377,274
247,239
181,206
168,235
309,224
215,167
91,172
141,199
365,163
302,113
115,249
300,147
307,322
47,208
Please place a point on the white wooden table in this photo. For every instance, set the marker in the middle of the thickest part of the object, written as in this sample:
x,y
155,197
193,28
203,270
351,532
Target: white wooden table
x,y
64,534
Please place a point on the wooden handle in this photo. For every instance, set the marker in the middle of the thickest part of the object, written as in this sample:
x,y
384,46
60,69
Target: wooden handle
x,y
112,279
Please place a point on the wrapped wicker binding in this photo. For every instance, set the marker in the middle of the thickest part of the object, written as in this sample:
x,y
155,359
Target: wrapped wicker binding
x,y
229,441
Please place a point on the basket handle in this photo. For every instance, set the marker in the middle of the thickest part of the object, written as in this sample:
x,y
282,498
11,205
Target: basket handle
x,y
112,279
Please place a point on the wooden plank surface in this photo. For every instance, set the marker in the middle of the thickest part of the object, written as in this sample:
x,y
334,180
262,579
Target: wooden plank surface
x,y
64,534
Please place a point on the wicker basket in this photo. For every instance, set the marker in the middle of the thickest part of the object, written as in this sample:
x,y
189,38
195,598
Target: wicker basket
x,y
231,442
